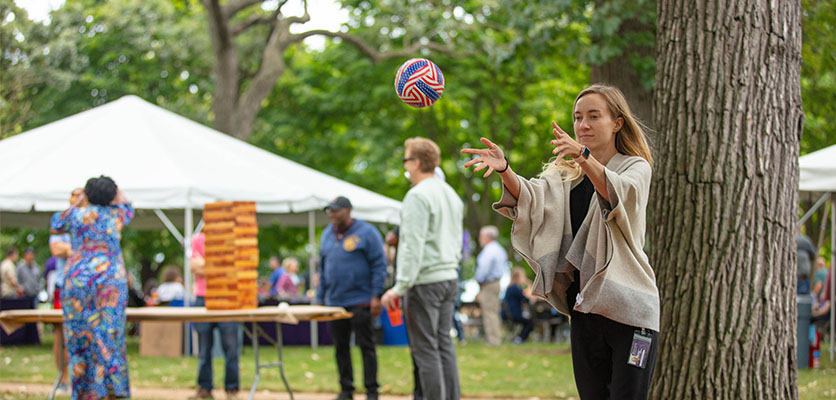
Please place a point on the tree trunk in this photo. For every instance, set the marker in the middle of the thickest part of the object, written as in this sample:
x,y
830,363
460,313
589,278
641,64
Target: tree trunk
x,y
724,198
620,73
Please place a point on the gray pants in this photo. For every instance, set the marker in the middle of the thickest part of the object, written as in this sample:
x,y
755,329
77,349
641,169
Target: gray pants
x,y
429,318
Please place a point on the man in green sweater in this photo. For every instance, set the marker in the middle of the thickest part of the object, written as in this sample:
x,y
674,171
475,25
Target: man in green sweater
x,y
428,254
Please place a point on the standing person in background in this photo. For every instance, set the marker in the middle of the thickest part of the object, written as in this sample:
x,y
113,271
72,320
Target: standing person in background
x,y
206,339
429,249
277,272
94,294
491,264
353,272
806,259
9,287
29,275
61,249
581,227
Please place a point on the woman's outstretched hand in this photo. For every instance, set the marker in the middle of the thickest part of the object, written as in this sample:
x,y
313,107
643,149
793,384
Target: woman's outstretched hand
x,y
491,157
565,145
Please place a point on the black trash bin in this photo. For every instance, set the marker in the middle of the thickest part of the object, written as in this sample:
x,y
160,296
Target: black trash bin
x,y
805,314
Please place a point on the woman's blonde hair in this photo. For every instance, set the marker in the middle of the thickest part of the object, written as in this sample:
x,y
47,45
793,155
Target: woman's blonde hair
x,y
629,140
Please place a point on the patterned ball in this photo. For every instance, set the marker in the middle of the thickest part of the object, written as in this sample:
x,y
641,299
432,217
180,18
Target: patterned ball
x,y
419,82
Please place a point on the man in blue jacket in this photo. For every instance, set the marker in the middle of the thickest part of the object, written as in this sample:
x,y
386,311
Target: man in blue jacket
x,y
353,272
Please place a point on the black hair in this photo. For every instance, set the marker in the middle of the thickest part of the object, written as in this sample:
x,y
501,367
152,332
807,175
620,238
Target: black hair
x,y
100,191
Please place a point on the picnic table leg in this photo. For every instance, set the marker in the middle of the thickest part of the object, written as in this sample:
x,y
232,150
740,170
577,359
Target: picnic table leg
x,y
254,338
281,358
60,364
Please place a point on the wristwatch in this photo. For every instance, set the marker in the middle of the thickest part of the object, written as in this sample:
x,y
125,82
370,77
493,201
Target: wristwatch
x,y
585,153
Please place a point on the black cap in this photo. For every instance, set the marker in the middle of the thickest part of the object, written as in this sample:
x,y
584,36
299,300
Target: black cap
x,y
338,204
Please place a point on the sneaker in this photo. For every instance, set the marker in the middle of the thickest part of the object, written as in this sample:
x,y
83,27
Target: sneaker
x,y
371,396
231,394
201,394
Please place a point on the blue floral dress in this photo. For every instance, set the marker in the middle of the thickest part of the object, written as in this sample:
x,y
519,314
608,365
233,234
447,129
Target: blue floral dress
x,y
94,298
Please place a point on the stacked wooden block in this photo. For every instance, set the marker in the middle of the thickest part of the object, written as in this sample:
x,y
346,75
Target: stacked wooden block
x,y
231,255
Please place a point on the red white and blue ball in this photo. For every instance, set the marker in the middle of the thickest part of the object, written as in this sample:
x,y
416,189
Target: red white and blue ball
x,y
419,82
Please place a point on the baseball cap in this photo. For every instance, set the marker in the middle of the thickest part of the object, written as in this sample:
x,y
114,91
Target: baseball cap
x,y
338,204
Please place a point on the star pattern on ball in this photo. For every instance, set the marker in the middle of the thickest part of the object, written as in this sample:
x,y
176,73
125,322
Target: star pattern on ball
x,y
419,82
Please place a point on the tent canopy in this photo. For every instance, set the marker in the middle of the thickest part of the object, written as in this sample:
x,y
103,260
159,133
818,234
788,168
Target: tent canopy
x,y
163,161
818,171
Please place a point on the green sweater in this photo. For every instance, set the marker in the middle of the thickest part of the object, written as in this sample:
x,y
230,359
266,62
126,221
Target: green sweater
x,y
430,242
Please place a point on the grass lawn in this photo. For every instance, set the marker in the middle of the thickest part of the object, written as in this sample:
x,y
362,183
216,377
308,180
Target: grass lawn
x,y
524,371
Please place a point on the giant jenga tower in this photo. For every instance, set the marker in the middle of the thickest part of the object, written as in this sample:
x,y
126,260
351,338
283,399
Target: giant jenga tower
x,y
231,255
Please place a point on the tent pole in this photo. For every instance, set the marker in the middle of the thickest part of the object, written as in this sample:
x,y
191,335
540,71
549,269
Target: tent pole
x,y
312,273
832,278
822,229
170,226
813,208
187,253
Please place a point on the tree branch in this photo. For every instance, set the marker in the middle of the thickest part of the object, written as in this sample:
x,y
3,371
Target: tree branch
x,y
300,20
253,21
234,6
370,51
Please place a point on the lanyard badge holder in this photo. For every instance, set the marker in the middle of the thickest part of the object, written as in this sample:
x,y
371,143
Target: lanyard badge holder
x,y
640,350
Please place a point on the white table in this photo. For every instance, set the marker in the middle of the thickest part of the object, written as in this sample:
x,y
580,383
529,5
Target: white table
x,y
13,320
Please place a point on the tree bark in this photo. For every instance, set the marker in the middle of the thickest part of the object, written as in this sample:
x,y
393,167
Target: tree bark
x,y
724,198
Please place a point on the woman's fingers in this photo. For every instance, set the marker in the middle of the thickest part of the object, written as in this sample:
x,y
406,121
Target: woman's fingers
x,y
488,143
558,132
473,151
470,163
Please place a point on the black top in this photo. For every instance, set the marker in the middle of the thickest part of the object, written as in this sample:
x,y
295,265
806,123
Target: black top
x,y
579,199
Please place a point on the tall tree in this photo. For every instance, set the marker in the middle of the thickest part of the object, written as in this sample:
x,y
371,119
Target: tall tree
x,y
241,86
25,70
724,198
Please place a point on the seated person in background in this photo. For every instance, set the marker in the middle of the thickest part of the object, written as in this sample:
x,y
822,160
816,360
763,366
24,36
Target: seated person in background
x,y
172,287
287,286
517,294
278,271
263,284
135,296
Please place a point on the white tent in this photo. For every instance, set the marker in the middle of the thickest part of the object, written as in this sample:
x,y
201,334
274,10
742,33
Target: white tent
x,y
165,163
817,177
818,171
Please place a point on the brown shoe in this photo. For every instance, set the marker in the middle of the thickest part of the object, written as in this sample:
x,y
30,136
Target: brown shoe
x,y
201,394
232,394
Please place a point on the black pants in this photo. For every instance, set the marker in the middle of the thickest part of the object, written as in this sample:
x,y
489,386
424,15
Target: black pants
x,y
361,325
600,350
527,326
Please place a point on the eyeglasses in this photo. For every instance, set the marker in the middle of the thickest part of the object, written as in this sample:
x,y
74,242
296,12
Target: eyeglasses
x,y
405,159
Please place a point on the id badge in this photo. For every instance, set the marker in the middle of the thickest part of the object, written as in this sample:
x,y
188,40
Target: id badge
x,y
640,349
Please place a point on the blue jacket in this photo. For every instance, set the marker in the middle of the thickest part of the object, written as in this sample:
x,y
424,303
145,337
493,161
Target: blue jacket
x,y
352,270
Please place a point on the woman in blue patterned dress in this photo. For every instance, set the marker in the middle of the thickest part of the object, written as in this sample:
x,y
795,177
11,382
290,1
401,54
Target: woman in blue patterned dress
x,y
95,291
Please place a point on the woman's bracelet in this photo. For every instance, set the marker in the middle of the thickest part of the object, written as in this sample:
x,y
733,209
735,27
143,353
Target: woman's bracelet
x,y
506,166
